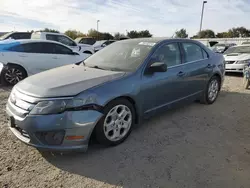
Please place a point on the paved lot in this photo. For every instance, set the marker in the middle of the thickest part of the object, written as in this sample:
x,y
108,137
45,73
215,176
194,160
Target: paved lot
x,y
194,146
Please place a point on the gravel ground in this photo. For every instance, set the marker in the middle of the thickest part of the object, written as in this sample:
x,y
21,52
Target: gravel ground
x,y
194,146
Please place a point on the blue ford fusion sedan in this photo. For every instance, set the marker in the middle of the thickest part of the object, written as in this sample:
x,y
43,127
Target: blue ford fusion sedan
x,y
111,91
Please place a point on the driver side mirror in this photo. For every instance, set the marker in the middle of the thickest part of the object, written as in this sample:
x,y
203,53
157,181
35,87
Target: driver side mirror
x,y
157,67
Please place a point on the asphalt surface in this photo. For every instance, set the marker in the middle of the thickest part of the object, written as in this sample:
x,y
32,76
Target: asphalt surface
x,y
193,146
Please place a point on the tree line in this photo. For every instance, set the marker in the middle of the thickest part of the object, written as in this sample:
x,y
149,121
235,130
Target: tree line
x,y
101,35
208,33
182,33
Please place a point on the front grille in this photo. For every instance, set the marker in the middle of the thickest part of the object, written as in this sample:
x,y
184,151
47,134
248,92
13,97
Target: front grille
x,y
20,104
230,62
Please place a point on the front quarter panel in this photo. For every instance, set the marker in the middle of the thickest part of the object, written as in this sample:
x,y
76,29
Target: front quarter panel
x,y
127,86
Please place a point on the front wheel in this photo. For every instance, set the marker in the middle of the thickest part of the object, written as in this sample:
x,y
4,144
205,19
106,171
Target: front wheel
x,y
116,124
212,90
12,74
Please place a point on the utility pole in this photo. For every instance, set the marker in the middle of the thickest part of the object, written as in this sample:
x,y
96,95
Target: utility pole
x,y
97,24
202,12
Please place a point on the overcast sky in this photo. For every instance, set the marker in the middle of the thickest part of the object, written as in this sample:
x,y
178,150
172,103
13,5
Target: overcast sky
x,y
160,17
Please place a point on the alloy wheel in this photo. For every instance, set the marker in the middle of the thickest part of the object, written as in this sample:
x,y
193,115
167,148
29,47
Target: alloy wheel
x,y
117,122
213,90
13,75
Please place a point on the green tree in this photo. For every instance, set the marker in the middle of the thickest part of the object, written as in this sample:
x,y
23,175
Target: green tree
x,y
182,33
74,34
117,36
222,35
50,30
139,34
206,34
238,32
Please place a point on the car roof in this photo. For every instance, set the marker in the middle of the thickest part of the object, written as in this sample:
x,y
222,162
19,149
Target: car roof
x,y
50,33
160,39
25,41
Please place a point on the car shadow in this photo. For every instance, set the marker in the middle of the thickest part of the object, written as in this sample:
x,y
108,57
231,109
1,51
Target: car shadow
x,y
183,147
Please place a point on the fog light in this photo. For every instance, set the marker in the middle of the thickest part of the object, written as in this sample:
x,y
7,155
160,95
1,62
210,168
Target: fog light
x,y
51,137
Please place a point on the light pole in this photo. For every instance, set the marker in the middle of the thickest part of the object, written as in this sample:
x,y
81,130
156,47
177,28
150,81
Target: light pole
x,y
202,11
97,22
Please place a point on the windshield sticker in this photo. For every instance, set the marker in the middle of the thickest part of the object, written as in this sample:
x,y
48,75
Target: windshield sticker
x,y
147,43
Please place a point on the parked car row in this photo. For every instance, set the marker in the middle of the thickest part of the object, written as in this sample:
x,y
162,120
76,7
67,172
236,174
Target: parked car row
x,y
109,92
22,58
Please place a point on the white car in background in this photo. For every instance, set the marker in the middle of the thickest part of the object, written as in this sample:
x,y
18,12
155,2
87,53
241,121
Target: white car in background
x,y
237,57
22,58
101,44
64,39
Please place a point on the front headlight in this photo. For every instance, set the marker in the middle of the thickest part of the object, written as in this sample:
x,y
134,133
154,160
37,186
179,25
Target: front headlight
x,y
243,62
60,105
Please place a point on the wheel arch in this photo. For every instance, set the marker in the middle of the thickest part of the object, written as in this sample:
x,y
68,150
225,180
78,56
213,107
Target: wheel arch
x,y
87,52
9,64
219,77
132,101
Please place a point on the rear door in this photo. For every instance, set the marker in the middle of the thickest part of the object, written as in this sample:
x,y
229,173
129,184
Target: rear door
x,y
196,66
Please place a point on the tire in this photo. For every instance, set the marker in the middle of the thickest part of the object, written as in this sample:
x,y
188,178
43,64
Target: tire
x,y
12,74
113,128
87,52
215,89
245,83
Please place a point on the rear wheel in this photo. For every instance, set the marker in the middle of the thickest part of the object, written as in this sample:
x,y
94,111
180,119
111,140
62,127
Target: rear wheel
x,y
212,90
116,124
12,74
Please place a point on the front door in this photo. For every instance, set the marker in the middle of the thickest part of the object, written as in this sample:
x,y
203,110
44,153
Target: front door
x,y
162,89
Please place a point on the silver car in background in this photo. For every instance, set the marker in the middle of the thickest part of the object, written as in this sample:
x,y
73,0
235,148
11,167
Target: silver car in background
x,y
237,57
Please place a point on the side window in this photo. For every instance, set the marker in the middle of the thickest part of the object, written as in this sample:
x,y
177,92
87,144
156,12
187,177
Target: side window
x,y
28,48
17,48
52,37
14,36
169,54
205,55
32,48
50,48
59,49
193,52
66,41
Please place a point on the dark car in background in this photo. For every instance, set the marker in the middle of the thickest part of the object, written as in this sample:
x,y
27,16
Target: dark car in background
x,y
16,35
101,44
85,40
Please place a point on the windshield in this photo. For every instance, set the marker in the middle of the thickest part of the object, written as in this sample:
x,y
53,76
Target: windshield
x,y
4,36
238,49
100,42
125,56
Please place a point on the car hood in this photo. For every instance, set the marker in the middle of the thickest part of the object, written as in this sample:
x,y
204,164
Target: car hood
x,y
236,57
65,81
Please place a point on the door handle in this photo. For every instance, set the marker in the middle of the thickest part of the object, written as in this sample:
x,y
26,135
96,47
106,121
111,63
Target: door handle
x,y
180,74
